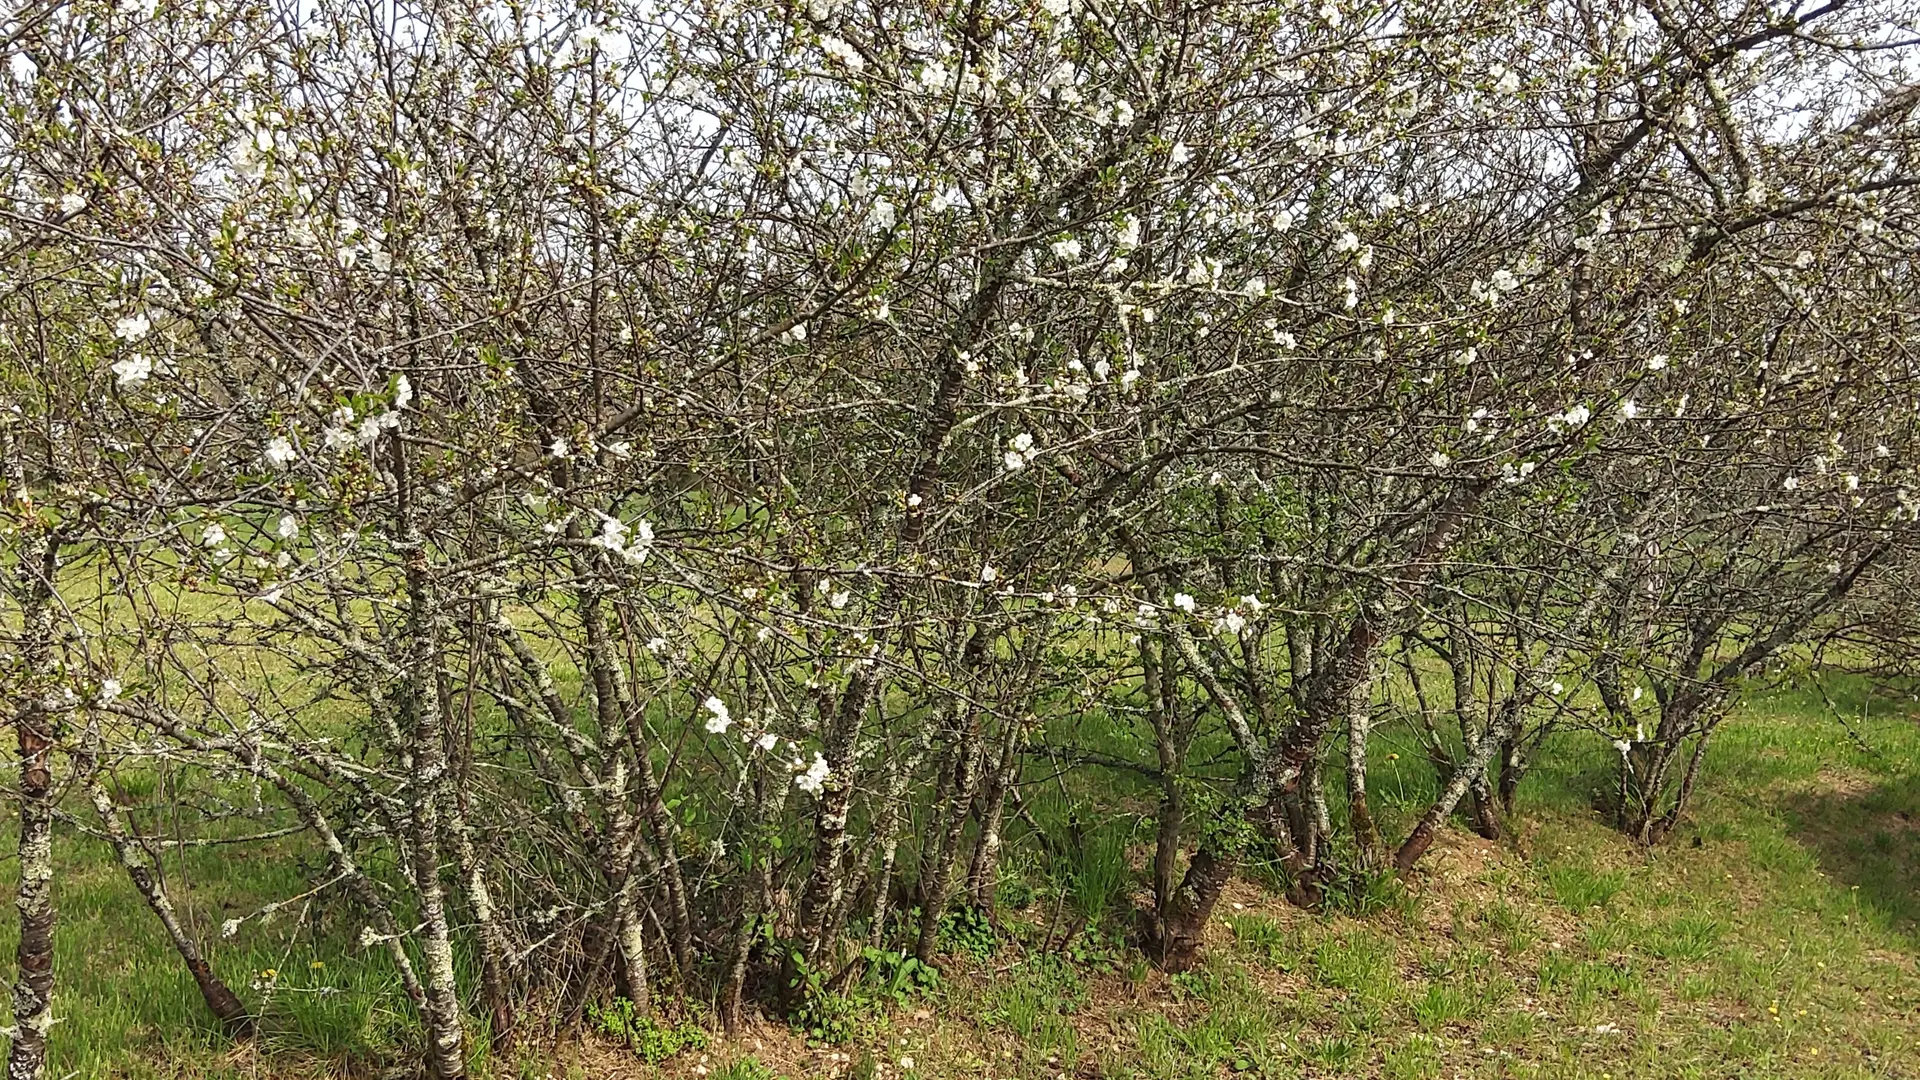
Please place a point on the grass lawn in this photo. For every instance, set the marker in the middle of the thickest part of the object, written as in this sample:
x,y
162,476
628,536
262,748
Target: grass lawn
x,y
1776,936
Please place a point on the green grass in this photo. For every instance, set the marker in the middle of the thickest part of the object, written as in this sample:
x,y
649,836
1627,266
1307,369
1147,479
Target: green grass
x,y
1774,936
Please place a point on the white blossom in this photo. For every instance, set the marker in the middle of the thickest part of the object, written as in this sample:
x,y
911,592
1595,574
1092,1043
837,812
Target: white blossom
x,y
288,527
213,535
1184,602
132,370
721,719
815,777
132,327
279,452
842,51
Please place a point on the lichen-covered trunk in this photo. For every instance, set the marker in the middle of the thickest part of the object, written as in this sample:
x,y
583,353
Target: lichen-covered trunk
x,y
36,725
1359,709
495,982
945,828
427,785
983,873
831,807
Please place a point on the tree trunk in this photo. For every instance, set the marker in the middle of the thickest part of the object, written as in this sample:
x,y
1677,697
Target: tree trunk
x,y
983,873
831,808
446,1037
1183,922
947,824
1366,834
36,728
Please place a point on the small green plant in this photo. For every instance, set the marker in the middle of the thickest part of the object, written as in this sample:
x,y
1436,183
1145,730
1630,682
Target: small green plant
x,y
1689,937
894,978
1266,939
746,1068
1357,962
1441,1005
1370,894
650,1040
968,930
1578,888
888,980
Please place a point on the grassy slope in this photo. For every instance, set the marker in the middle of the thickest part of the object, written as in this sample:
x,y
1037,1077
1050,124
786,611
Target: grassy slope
x,y
1782,944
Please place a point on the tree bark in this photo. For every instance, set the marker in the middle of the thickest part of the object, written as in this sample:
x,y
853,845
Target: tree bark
x,y
36,729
